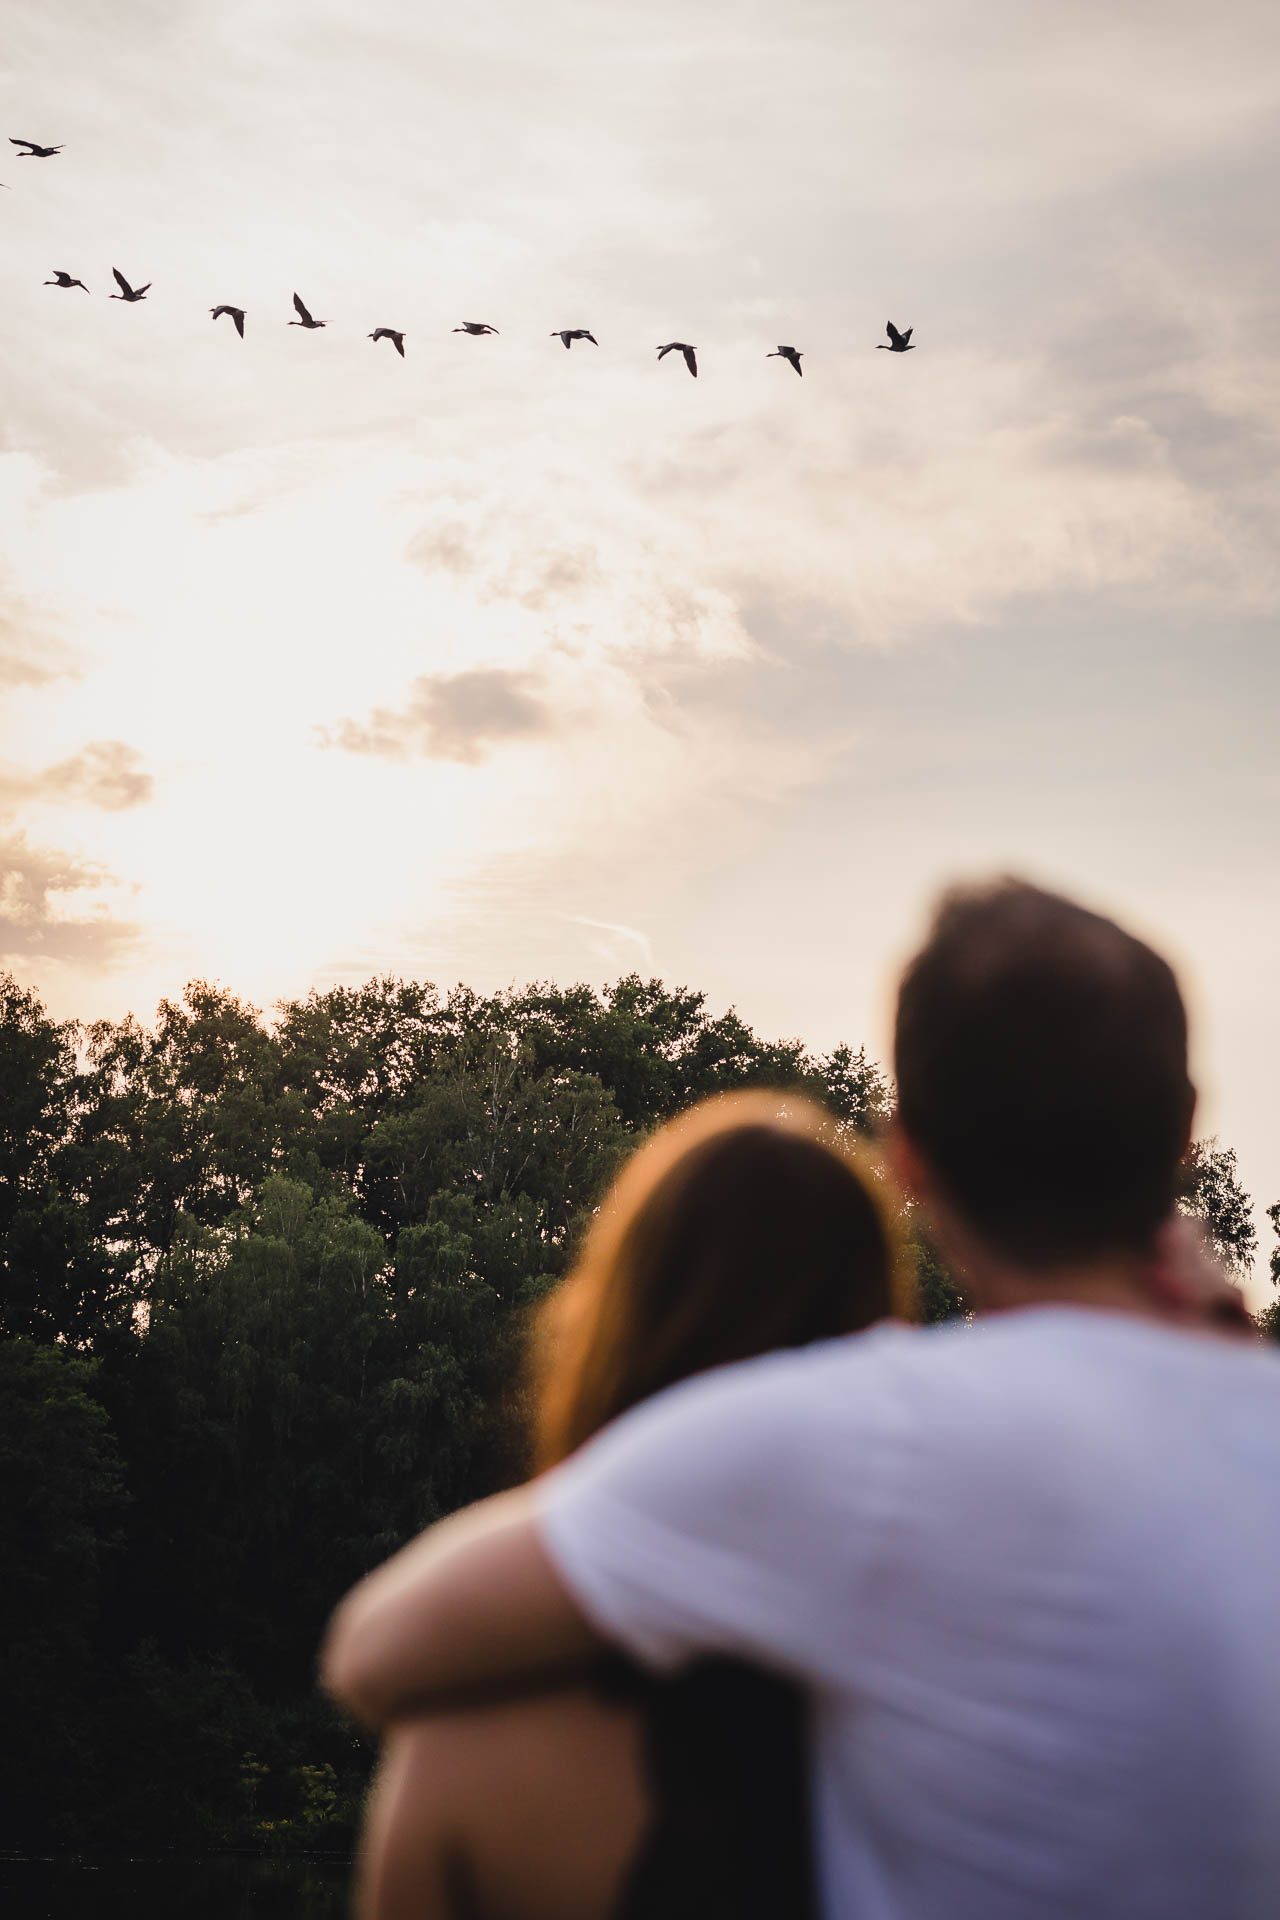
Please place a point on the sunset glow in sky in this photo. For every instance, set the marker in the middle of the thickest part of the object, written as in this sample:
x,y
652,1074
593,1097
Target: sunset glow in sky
x,y
501,662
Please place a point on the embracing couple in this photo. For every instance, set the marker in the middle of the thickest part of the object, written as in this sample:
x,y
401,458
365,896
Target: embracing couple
x,y
813,1611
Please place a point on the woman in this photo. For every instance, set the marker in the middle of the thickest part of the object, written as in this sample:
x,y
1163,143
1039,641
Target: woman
x,y
745,1225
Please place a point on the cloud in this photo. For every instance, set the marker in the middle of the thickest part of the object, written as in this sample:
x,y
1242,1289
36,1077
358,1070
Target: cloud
x,y
17,668
631,940
543,574
40,890
105,773
456,716
29,656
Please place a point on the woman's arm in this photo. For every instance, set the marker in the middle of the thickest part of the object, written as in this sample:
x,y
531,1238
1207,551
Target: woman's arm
x,y
471,1608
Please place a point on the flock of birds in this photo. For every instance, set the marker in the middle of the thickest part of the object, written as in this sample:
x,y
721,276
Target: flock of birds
x,y
898,342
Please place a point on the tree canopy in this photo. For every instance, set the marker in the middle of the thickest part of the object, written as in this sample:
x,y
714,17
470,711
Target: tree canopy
x,y
262,1293
264,1282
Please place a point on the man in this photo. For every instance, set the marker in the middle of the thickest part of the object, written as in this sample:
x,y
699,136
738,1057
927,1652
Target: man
x,y
1028,1569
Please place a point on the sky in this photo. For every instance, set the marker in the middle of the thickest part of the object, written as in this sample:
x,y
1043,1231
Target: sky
x,y
503,662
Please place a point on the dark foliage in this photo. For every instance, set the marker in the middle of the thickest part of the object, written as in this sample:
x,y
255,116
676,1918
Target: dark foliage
x,y
261,1303
1212,1191
1269,1318
262,1290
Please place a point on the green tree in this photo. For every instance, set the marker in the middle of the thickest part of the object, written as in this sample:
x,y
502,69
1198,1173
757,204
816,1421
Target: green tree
x,y
183,1119
939,1295
1212,1193
1269,1318
57,1282
61,1495
272,1276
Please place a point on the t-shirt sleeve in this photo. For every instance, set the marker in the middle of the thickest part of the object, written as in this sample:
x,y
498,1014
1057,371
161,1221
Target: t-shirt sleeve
x,y
731,1514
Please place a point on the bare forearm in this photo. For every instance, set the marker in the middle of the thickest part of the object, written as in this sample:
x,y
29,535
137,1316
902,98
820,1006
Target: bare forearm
x,y
472,1606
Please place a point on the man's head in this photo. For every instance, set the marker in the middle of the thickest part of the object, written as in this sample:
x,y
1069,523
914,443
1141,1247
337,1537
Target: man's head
x,y
1041,1060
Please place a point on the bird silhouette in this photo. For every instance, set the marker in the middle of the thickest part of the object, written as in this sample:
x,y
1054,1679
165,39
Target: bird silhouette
x,y
898,342
570,334
61,279
304,318
237,314
474,326
126,291
690,354
792,354
33,150
390,333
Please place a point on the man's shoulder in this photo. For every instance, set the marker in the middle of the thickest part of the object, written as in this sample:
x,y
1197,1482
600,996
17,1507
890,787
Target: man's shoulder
x,y
1042,1379
1036,1383
996,1353
1081,1399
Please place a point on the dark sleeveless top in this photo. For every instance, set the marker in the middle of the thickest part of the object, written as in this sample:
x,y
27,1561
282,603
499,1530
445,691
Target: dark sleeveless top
x,y
727,1753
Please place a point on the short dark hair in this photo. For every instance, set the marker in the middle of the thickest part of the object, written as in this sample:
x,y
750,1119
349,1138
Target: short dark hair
x,y
1041,1061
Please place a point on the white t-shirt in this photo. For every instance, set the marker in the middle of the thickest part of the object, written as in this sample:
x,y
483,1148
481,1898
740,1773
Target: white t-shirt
x,y
1030,1571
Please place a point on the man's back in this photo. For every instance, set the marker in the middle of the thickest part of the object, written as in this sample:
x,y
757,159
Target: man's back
x,y
1029,1570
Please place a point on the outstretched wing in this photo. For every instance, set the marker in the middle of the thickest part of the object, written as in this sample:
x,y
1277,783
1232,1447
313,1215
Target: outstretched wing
x,y
690,360
893,333
300,309
397,341
31,144
669,348
904,337
589,336
121,282
238,316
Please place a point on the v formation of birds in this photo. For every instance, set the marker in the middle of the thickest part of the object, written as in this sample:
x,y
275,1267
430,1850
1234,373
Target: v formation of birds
x,y
898,341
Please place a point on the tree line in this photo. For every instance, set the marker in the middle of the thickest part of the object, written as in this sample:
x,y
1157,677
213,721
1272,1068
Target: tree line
x,y
262,1292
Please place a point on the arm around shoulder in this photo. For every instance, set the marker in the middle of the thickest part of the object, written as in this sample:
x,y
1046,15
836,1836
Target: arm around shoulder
x,y
471,1608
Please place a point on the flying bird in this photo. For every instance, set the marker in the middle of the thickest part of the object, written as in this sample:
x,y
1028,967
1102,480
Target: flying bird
x,y
33,151
390,333
237,314
793,354
61,279
474,326
690,354
126,291
304,318
570,334
898,342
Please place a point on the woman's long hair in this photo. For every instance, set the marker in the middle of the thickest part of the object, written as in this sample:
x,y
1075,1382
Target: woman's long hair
x,y
744,1225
